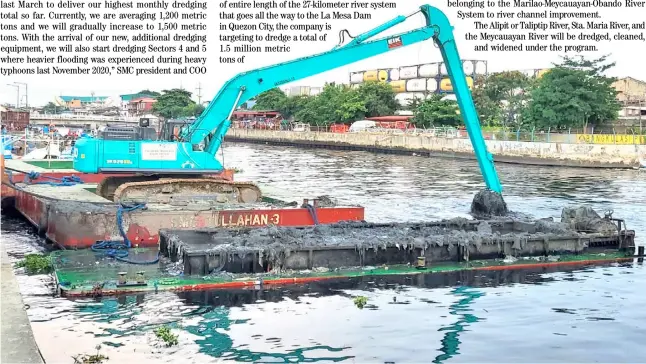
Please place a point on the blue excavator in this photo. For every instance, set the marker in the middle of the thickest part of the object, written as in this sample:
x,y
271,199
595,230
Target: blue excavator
x,y
167,168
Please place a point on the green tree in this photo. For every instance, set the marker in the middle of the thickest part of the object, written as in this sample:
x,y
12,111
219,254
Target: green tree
x,y
501,97
509,90
306,111
344,104
378,98
52,108
325,104
149,93
436,112
489,111
270,100
194,110
335,103
413,104
353,105
176,103
322,108
291,105
573,94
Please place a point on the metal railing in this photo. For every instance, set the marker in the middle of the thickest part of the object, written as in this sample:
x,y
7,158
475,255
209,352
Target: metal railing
x,y
570,136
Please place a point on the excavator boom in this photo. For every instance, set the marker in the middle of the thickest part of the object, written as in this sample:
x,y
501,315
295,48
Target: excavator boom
x,y
247,85
195,151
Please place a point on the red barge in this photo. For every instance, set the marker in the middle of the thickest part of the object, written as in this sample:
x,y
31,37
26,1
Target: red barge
x,y
74,217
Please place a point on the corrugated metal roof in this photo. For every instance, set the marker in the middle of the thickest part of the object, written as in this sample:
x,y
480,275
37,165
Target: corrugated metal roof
x,y
630,78
83,98
130,97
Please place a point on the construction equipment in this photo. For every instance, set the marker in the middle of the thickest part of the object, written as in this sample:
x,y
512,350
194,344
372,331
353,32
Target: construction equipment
x,y
171,129
178,167
168,187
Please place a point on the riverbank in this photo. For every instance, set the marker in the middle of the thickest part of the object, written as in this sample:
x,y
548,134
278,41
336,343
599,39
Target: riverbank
x,y
533,153
18,343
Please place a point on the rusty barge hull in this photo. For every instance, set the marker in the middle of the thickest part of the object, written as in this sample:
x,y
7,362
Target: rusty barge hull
x,y
73,217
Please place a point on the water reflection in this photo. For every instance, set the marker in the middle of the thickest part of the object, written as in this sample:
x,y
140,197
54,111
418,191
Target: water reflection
x,y
212,317
451,340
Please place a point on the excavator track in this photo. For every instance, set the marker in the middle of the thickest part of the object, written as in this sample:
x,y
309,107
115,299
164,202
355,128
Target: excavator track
x,y
178,191
108,185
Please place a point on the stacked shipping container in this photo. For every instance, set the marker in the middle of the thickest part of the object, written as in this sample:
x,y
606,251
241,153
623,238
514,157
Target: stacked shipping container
x,y
421,81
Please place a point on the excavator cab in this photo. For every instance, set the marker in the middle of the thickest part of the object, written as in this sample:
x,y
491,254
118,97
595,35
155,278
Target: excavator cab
x,y
171,129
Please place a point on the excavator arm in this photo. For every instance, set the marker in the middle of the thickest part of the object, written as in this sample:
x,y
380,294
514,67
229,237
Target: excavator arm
x,y
181,171
214,122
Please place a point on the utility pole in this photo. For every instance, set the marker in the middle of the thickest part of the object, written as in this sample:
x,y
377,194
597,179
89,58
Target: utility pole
x,y
199,93
26,92
17,94
641,131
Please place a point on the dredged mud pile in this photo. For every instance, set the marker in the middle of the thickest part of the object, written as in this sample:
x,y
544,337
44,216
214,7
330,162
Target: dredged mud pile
x,y
487,203
584,218
272,242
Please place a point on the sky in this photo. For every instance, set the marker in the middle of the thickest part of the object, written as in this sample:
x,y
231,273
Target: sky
x,y
43,88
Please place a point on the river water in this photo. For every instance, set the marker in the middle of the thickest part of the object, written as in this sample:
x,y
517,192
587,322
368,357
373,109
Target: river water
x,y
584,315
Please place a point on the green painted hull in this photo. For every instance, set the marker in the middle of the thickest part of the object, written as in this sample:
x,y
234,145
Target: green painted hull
x,y
91,279
53,164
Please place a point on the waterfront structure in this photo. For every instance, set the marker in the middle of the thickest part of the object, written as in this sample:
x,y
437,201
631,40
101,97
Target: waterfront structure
x,y
127,98
140,106
75,102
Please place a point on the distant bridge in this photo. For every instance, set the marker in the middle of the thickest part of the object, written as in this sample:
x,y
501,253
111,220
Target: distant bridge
x,y
78,120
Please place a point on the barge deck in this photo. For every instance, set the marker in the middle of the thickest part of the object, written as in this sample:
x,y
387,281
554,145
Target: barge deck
x,y
42,171
361,244
255,257
47,170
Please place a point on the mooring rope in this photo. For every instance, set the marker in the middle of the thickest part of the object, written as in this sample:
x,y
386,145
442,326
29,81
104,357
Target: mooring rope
x,y
110,248
119,249
63,181
313,212
29,176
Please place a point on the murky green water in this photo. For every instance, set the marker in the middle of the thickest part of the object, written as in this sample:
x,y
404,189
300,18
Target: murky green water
x,y
588,315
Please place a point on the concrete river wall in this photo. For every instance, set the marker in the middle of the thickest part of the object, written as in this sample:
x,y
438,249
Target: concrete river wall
x,y
535,153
